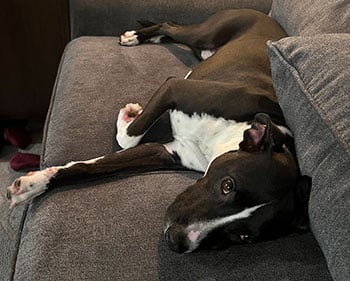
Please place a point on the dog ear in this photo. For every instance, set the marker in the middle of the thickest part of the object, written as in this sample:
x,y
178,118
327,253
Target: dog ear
x,y
262,135
302,196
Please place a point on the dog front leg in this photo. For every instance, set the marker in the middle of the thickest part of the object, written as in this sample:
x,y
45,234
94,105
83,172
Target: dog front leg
x,y
146,157
134,121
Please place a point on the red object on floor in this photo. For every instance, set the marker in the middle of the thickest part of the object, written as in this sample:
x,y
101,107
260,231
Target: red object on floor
x,y
18,137
23,161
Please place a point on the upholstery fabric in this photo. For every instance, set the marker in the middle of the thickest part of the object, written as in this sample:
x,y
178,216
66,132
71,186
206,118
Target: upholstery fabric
x,y
112,230
112,17
97,77
312,81
308,17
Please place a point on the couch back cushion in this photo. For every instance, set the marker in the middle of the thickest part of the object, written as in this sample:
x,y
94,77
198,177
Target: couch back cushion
x,y
309,17
112,17
312,81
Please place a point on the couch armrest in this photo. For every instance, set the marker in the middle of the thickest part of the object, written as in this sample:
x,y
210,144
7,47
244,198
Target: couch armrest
x,y
112,17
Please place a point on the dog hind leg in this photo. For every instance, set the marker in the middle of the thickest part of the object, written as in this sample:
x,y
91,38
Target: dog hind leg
x,y
216,31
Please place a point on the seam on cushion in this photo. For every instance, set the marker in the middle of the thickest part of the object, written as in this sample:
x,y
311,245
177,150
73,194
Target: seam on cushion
x,y
18,242
114,177
49,112
302,86
161,172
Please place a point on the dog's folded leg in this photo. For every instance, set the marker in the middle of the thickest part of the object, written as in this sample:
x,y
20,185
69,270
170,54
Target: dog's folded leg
x,y
146,157
134,121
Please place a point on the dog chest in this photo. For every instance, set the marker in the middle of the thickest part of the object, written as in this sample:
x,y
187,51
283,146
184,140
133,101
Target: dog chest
x,y
212,136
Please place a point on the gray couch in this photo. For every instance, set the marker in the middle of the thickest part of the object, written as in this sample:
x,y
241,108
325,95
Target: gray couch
x,y
111,228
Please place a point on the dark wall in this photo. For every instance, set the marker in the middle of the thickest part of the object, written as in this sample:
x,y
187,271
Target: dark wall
x,y
33,35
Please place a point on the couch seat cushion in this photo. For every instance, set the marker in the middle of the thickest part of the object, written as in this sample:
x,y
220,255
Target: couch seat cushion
x,y
96,78
112,230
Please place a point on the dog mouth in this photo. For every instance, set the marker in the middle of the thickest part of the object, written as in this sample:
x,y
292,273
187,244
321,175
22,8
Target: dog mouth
x,y
176,238
187,238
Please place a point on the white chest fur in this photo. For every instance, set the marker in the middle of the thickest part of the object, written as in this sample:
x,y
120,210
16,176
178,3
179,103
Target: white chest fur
x,y
199,139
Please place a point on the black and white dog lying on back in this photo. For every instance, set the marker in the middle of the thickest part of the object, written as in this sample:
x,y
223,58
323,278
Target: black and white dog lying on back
x,y
226,123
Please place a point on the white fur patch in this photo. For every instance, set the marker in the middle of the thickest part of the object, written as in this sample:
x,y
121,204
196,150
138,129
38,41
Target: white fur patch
x,y
188,74
199,139
129,38
205,54
91,161
156,39
285,131
123,122
190,154
33,184
196,232
27,187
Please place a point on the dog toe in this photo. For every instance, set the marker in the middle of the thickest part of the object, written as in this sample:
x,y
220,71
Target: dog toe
x,y
129,38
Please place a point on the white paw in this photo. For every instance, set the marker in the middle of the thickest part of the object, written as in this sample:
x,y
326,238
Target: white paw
x,y
126,116
130,112
129,38
29,186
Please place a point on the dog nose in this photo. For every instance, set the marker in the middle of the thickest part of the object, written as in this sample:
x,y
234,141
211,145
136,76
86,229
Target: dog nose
x,y
176,239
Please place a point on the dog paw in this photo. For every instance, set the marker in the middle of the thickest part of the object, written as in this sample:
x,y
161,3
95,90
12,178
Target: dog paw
x,y
29,186
129,38
126,116
130,112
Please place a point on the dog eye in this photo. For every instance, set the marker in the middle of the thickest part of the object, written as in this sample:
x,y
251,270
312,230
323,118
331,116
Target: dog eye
x,y
227,186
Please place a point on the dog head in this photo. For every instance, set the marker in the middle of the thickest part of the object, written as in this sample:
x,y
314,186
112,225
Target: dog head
x,y
246,195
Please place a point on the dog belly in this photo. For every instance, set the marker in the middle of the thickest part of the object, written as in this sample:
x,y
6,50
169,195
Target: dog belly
x,y
199,139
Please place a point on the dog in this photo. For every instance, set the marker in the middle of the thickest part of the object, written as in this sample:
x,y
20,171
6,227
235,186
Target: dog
x,y
226,123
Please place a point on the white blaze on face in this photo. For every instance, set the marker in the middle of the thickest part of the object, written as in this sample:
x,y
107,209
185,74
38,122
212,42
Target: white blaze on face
x,y
199,230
